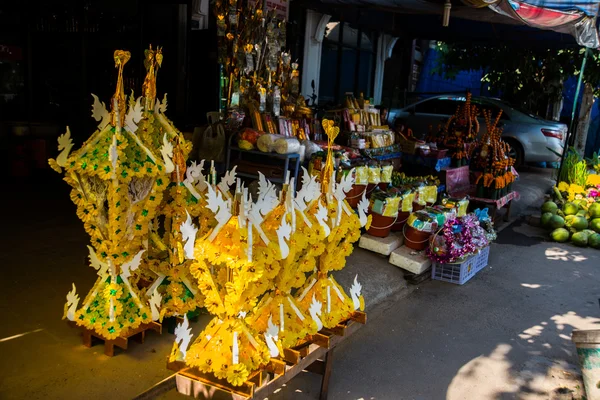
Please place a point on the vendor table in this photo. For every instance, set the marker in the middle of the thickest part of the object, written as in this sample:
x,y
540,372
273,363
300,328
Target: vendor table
x,y
293,158
497,204
315,356
430,162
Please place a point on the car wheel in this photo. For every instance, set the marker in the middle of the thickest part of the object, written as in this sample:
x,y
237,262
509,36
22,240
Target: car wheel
x,y
516,152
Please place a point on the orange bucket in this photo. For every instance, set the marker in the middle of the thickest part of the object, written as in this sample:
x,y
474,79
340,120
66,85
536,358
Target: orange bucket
x,y
415,239
380,225
354,196
402,218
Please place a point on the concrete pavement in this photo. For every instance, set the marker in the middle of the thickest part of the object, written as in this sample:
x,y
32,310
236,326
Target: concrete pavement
x,y
503,335
42,357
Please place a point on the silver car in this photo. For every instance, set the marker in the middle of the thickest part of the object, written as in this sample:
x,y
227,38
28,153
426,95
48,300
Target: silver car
x,y
529,136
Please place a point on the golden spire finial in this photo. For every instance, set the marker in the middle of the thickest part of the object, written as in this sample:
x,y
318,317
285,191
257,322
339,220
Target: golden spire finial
x,y
118,100
331,131
152,61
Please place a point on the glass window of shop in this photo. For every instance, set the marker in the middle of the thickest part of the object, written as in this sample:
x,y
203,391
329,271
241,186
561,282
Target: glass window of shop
x,y
347,62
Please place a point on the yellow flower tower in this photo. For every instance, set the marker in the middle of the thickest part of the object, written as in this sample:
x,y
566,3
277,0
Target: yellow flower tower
x,y
321,296
117,186
232,271
170,250
278,314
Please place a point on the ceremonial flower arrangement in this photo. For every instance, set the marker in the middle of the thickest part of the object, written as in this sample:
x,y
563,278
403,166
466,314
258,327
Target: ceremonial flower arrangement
x,y
248,264
490,158
460,131
458,239
119,177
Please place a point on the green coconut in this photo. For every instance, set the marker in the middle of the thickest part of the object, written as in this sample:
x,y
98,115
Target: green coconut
x,y
578,223
594,240
560,235
580,239
545,220
595,224
570,209
557,222
594,210
583,205
549,206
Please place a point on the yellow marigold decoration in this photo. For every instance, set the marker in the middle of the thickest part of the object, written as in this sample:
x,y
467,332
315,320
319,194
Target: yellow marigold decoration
x,y
592,180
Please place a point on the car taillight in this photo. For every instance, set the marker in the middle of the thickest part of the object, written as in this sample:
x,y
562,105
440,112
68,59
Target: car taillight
x,y
552,133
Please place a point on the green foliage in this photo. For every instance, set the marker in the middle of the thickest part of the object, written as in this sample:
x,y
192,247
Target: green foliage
x,y
594,162
574,169
526,77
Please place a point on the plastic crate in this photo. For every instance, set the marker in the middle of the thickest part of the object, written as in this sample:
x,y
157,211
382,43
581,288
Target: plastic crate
x,y
461,273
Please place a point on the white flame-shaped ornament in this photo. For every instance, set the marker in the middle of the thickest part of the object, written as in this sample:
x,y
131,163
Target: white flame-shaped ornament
x,y
188,233
154,302
167,154
72,302
355,290
183,337
363,207
315,311
271,337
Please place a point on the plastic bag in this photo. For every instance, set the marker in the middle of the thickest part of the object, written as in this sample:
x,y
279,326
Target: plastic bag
x,y
212,143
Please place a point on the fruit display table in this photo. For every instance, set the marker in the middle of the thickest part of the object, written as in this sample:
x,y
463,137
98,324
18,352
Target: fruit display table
x,y
497,204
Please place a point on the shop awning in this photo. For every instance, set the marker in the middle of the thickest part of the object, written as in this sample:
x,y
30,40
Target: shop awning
x,y
518,21
576,18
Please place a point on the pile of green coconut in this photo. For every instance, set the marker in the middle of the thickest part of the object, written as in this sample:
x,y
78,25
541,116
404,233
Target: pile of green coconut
x,y
574,222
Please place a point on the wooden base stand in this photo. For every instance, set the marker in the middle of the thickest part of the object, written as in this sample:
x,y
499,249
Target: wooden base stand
x,y
138,334
314,355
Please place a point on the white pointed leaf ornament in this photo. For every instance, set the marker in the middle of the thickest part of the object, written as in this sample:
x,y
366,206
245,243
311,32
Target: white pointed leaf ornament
x,y
321,216
99,266
341,188
219,207
227,181
271,337
161,107
310,191
355,290
167,154
65,144
113,156
155,300
315,311
159,279
283,234
134,116
126,270
188,232
72,302
266,202
102,269
363,207
183,337
99,112
193,174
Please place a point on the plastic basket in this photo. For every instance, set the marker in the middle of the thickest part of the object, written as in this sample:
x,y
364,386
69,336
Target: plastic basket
x,y
461,273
